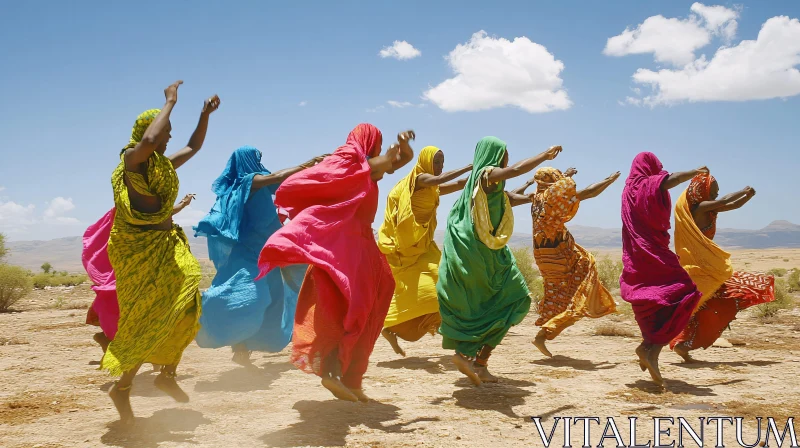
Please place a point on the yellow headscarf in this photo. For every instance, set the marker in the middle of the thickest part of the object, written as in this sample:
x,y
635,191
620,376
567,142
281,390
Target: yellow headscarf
x,y
143,121
408,226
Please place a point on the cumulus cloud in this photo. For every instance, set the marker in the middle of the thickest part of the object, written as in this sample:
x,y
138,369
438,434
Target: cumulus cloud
x,y
400,104
495,72
58,207
400,50
672,40
15,217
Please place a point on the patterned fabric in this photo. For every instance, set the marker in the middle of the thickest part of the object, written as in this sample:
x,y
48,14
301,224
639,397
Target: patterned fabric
x,y
484,230
700,191
406,238
738,293
237,309
347,290
157,276
481,291
572,288
653,281
143,121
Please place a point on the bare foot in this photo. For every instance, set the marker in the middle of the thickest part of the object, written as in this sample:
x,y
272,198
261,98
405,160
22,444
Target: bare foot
x,y
641,352
102,339
652,358
338,389
683,352
360,394
242,358
539,342
484,375
122,401
465,366
392,338
170,387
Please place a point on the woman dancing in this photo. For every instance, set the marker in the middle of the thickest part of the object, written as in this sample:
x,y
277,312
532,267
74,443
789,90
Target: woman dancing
x,y
406,238
481,291
237,311
653,281
348,287
572,288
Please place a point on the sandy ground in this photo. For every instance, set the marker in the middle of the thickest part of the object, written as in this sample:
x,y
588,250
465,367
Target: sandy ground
x,y
53,396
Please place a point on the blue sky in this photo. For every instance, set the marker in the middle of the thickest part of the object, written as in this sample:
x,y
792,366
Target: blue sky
x,y
76,75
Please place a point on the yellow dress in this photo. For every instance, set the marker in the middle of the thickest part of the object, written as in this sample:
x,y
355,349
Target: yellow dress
x,y
157,276
406,238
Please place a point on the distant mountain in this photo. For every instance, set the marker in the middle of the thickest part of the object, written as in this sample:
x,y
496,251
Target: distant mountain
x,y
65,253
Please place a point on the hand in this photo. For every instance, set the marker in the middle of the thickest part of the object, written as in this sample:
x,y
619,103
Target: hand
x,y
210,105
404,137
315,160
171,92
613,178
570,172
702,170
552,152
749,191
186,200
393,153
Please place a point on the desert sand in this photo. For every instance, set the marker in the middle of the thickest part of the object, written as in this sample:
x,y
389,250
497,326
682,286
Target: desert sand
x,y
52,394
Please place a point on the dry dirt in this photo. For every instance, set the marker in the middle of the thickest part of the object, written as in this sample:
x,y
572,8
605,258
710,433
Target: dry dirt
x,y
53,396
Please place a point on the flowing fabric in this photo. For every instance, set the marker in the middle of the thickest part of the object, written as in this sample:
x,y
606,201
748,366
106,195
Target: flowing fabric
x,y
481,291
709,266
572,287
104,311
659,290
348,287
237,309
157,275
406,238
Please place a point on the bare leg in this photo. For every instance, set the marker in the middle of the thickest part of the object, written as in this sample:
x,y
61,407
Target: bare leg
x,y
539,342
481,365
332,378
641,352
652,356
120,395
165,381
392,338
683,351
102,339
241,355
464,366
362,397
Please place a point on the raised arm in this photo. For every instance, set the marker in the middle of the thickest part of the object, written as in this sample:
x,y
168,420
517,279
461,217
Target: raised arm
x,y
182,204
595,189
452,187
521,189
429,180
518,199
675,179
198,136
154,134
522,167
261,181
396,156
728,202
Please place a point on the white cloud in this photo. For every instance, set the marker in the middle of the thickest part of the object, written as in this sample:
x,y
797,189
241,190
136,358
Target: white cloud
x,y
15,217
303,103
400,50
58,206
375,109
752,70
189,217
400,104
673,40
630,101
2,188
495,72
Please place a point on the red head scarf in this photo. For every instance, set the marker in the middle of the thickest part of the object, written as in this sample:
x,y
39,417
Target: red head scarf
x,y
700,189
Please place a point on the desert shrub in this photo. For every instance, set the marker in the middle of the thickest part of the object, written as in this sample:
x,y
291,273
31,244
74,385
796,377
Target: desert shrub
x,y
15,283
615,329
777,272
783,300
40,281
793,281
527,266
3,248
608,271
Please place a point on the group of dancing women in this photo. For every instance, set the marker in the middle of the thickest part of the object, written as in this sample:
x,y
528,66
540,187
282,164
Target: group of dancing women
x,y
297,260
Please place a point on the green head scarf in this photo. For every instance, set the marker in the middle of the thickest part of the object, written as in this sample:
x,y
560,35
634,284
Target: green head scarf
x,y
489,152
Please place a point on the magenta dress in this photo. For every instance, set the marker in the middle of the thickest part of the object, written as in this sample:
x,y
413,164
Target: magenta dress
x,y
104,311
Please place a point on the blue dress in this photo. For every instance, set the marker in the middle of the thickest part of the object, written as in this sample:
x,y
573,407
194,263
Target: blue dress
x,y
236,309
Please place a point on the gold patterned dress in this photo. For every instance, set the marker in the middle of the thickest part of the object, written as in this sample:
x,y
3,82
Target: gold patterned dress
x,y
572,289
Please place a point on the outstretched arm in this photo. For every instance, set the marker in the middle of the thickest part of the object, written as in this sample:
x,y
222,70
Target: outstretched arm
x,y
452,187
521,190
396,156
595,189
182,204
522,167
675,179
261,181
198,136
517,199
152,136
429,180
728,202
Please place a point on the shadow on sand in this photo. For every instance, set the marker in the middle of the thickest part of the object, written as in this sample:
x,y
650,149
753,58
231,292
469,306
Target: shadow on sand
x,y
433,364
500,397
328,423
166,425
575,364
144,386
245,379
699,364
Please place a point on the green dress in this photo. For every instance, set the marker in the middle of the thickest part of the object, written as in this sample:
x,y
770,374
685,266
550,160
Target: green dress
x,y
481,291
